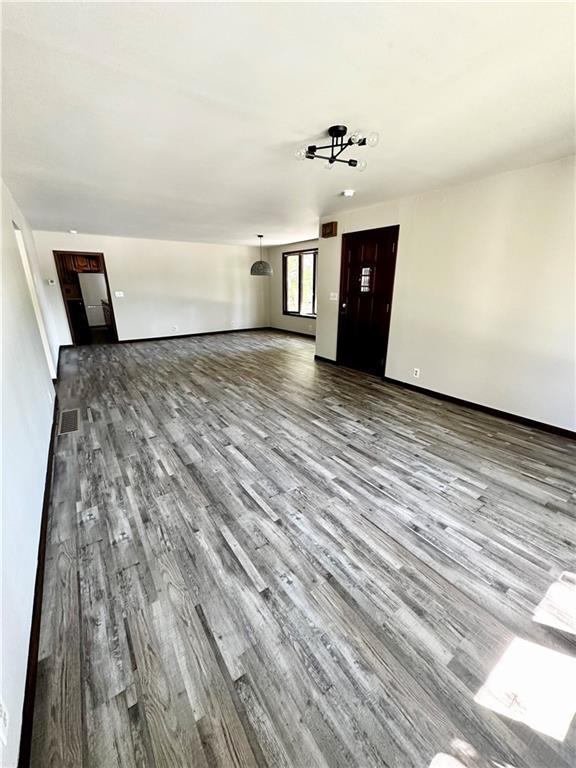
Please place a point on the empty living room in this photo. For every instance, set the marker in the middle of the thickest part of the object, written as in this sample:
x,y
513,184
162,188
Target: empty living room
x,y
288,385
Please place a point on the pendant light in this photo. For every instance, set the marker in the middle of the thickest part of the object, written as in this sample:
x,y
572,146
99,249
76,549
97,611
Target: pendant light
x,y
261,268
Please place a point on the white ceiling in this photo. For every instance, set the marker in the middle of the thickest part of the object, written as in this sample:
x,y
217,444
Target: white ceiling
x,y
180,120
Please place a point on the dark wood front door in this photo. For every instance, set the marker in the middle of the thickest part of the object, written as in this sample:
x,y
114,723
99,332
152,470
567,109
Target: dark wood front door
x,y
366,285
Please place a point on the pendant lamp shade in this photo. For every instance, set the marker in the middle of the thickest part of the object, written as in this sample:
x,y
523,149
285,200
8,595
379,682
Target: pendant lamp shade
x,y
261,268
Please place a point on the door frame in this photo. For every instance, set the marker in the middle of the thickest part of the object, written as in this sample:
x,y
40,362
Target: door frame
x,y
342,297
57,256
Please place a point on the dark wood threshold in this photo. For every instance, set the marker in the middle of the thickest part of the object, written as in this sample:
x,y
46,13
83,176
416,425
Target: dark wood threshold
x,y
33,648
485,409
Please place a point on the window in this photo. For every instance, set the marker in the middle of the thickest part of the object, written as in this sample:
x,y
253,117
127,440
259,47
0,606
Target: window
x,y
299,276
365,277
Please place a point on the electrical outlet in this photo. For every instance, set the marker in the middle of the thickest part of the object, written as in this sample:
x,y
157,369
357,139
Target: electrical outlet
x,y
416,373
3,724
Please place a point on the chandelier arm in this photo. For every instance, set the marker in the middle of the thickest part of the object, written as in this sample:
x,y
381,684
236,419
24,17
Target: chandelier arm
x,y
330,159
325,146
345,146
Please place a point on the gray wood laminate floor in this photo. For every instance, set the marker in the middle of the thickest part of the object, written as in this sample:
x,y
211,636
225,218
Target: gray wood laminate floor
x,y
255,559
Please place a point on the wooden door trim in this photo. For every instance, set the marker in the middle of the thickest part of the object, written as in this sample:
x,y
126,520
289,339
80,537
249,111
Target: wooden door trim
x,y
393,271
344,271
112,314
102,260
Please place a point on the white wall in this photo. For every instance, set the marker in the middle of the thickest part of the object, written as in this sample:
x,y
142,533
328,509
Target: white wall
x,y
195,286
27,407
277,318
484,290
27,250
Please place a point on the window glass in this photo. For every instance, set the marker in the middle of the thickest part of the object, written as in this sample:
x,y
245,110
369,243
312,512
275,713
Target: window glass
x,y
292,280
365,279
307,305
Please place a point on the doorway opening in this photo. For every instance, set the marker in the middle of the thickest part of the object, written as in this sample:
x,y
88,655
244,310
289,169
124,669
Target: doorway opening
x,y
366,287
86,294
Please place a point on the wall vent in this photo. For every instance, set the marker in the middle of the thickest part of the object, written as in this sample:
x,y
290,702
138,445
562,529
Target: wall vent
x,y
68,421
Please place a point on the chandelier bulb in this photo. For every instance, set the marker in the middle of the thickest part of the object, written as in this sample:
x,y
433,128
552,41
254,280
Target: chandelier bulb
x,y
372,139
361,165
300,153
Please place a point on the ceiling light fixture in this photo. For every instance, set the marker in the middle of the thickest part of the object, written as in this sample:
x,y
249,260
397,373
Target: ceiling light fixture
x,y
73,231
348,193
339,142
261,268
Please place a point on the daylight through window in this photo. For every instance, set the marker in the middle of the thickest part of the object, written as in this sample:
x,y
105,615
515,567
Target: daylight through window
x,y
299,275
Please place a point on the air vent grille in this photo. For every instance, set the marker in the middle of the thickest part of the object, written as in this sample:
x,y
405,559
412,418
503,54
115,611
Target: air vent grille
x,y
69,421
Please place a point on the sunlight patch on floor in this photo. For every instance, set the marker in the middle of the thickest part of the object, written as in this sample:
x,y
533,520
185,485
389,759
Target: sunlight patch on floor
x,y
442,760
534,685
464,756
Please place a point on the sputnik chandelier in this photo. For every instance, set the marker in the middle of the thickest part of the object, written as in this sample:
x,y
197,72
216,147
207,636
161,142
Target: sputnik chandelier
x,y
339,143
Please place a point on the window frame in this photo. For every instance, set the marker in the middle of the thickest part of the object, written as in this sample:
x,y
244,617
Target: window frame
x,y
300,254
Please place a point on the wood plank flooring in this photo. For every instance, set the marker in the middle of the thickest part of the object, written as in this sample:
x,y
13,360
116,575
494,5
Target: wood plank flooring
x,y
255,559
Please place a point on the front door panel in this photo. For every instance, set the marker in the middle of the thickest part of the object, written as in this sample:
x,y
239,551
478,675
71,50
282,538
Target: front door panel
x,y
367,281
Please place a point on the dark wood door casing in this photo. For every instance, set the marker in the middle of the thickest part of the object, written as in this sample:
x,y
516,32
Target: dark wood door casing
x,y
366,288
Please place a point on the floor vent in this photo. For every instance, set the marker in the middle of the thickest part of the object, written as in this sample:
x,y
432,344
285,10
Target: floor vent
x,y
68,422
